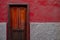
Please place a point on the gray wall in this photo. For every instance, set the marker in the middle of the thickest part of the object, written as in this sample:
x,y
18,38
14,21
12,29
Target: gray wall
x,y
38,31
45,31
3,31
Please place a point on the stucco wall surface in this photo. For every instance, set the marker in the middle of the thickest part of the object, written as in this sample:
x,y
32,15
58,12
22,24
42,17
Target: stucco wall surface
x,y
45,31
2,31
39,10
38,31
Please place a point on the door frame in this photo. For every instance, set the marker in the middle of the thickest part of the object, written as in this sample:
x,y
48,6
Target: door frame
x,y
28,19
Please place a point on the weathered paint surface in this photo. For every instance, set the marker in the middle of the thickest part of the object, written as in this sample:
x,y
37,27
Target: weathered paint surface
x,y
45,31
40,10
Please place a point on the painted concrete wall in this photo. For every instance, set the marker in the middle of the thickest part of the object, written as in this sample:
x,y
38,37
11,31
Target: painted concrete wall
x,y
40,11
45,31
38,31
3,31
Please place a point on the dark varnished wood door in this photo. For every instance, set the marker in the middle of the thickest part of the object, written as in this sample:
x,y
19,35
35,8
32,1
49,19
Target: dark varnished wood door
x,y
18,23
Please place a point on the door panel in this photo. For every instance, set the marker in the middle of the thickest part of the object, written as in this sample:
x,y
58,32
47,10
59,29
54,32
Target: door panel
x,y
22,18
14,17
18,23
15,35
14,22
18,28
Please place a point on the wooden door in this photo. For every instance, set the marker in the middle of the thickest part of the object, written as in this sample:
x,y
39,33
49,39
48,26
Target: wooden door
x,y
18,23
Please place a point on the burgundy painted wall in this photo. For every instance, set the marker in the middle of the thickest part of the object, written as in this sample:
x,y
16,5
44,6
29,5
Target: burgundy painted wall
x,y
40,10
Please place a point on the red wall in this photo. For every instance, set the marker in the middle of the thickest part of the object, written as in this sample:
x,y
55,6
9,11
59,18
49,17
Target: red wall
x,y
40,10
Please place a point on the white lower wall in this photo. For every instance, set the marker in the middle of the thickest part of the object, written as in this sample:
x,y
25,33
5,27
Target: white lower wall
x,y
2,31
38,31
45,31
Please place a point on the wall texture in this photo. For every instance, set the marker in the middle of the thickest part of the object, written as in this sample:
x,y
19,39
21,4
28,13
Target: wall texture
x,y
3,31
40,10
38,31
45,31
